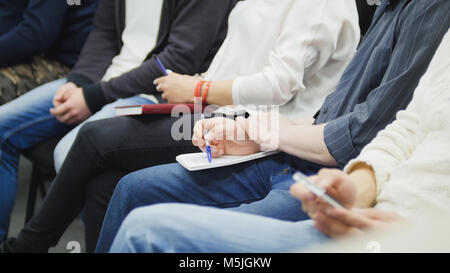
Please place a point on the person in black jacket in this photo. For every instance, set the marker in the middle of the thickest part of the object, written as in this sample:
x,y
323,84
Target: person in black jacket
x,y
117,61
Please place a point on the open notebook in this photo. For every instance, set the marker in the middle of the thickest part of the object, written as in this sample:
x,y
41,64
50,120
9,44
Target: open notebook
x,y
199,161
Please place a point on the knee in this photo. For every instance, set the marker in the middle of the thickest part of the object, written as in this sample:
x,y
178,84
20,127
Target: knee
x,y
82,140
142,188
146,229
128,192
103,135
155,215
153,219
90,131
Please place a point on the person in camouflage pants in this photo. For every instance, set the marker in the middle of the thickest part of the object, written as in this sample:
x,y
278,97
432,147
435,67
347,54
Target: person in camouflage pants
x,y
19,79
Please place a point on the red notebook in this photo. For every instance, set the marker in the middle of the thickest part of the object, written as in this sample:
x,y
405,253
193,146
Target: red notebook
x,y
153,109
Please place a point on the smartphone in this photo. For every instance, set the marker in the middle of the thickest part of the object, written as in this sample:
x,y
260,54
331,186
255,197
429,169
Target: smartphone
x,y
303,179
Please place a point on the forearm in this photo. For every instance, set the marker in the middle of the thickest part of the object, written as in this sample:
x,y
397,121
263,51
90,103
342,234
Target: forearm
x,y
220,93
364,178
304,121
306,142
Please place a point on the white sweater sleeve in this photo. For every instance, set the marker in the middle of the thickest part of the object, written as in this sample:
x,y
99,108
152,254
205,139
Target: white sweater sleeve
x,y
391,147
318,27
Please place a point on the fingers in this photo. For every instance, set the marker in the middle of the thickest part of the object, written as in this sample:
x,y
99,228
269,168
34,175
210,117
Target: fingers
x,y
217,149
61,110
66,118
301,192
197,138
160,83
379,215
311,204
350,218
207,125
62,94
329,178
333,227
338,185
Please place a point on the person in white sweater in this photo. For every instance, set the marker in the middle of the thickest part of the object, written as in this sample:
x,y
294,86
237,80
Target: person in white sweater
x,y
401,176
289,53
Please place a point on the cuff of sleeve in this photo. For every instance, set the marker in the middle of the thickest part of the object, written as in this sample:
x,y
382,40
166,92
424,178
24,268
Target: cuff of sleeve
x,y
95,99
381,175
255,89
79,80
339,141
235,91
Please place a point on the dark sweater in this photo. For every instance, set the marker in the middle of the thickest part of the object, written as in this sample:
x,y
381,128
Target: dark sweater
x,y
29,27
190,34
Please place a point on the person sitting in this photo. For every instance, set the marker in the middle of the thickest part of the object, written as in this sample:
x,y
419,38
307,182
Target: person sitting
x,y
400,177
39,42
378,83
118,61
277,64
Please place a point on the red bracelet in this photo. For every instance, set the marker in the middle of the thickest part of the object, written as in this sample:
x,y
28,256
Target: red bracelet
x,y
205,93
198,89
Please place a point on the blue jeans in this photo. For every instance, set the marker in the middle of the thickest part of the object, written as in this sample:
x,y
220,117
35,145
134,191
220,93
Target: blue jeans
x,y
24,123
179,228
258,187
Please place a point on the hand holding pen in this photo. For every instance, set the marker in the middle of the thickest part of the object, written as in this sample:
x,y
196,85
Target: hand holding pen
x,y
208,146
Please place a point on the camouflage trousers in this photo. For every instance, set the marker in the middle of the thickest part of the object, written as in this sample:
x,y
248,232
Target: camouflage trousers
x,y
19,79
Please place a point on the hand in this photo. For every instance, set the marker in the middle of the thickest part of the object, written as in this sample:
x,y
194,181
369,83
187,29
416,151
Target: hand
x,y
264,129
177,88
336,183
338,222
74,109
225,136
63,93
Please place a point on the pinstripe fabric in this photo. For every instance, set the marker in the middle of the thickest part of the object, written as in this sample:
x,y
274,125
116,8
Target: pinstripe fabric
x,y
382,77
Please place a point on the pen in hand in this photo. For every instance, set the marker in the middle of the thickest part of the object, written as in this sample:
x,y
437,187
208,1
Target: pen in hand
x,y
163,69
208,147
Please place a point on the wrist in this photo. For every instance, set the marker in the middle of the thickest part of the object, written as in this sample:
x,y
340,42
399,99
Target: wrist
x,y
289,129
363,177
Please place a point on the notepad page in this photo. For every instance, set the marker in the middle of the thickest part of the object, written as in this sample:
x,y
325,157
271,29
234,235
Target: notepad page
x,y
199,161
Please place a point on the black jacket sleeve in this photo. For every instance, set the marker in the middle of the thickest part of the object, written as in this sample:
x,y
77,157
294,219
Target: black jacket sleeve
x,y
196,27
100,48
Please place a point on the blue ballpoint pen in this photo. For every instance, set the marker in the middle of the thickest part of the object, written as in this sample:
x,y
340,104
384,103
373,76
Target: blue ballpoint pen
x,y
163,69
208,147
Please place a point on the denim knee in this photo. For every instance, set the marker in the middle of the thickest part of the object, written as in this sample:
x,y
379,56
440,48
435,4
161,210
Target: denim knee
x,y
126,193
146,229
153,218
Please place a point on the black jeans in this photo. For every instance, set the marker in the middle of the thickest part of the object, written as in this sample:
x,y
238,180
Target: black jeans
x,y
103,152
